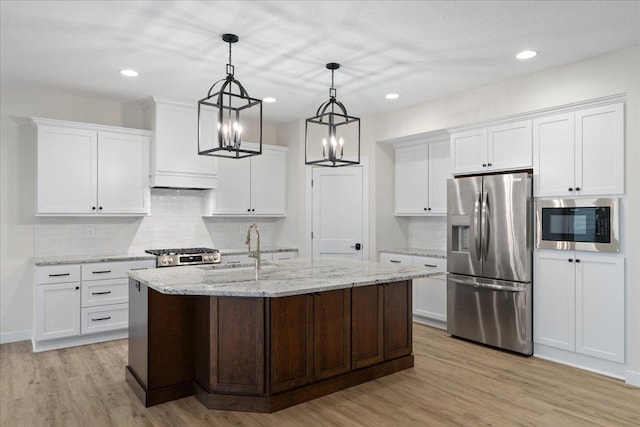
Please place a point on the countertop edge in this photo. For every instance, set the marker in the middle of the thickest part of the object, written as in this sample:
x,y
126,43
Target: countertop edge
x,y
87,259
427,253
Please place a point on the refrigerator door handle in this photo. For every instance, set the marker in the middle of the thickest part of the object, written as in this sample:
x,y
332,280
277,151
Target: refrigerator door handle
x,y
486,285
476,224
485,226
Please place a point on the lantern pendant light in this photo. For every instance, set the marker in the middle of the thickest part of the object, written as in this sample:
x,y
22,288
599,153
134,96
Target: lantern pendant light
x,y
220,129
332,137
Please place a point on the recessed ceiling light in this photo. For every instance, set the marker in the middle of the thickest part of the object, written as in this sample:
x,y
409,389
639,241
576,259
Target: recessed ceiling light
x,y
526,54
269,99
129,73
392,96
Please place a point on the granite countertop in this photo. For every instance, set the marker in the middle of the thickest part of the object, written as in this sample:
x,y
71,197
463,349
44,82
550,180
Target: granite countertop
x,y
84,259
276,279
430,253
265,250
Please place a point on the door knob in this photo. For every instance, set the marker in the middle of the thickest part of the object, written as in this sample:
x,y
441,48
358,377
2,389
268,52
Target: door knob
x,y
357,246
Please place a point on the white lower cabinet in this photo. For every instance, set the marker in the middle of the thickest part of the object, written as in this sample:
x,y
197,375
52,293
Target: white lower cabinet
x,y
82,303
429,293
58,310
579,304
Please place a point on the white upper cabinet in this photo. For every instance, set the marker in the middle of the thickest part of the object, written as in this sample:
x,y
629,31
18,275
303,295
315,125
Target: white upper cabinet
x,y
175,161
580,153
421,173
496,148
254,185
85,169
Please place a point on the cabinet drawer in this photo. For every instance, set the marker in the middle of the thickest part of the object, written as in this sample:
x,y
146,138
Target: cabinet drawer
x,y
237,259
58,274
396,259
103,292
285,255
428,262
113,270
104,318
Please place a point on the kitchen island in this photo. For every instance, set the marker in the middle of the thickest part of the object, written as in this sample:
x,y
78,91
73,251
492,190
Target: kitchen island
x,y
262,341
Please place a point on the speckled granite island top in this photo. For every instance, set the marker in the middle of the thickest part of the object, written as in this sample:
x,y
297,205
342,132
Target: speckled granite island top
x,y
276,279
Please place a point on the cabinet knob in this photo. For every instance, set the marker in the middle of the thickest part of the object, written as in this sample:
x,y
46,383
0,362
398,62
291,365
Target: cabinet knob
x,y
93,208
577,188
429,208
249,210
489,164
570,188
484,165
77,287
100,208
424,209
570,260
577,260
253,210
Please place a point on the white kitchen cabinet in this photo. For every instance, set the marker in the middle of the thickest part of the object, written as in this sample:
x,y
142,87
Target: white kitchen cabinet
x,y
579,303
264,256
85,169
580,153
421,173
82,303
175,161
398,259
506,146
253,186
430,293
58,310
284,255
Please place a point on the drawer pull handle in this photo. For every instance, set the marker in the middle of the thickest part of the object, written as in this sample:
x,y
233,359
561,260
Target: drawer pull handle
x,y
395,261
101,318
233,262
280,259
102,272
431,265
141,268
101,293
60,275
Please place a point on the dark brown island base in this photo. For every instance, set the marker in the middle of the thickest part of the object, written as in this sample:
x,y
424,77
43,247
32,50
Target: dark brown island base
x,y
263,354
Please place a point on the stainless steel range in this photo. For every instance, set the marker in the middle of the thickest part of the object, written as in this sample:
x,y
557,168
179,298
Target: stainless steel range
x,y
185,256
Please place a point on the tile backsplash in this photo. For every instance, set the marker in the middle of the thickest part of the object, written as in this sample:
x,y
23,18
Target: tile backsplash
x,y
175,221
428,232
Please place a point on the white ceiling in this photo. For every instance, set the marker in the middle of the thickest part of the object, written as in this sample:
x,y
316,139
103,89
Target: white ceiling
x,y
419,49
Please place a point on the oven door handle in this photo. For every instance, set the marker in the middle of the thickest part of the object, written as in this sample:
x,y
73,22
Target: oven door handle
x,y
486,285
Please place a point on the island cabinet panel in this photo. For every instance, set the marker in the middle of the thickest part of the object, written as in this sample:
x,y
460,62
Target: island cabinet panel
x,y
367,304
161,358
331,333
397,320
229,344
291,330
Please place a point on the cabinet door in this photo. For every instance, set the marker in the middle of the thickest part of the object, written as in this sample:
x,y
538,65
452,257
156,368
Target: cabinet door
x,y
469,151
123,173
600,150
57,310
397,259
554,300
439,165
510,146
600,306
233,196
176,141
331,333
367,305
269,182
67,170
398,340
553,155
412,178
430,294
291,322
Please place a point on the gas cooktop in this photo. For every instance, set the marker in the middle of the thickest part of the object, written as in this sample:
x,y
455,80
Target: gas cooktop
x,y
185,256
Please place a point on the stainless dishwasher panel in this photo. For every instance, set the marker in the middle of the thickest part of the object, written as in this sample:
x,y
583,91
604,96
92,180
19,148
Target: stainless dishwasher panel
x,y
492,312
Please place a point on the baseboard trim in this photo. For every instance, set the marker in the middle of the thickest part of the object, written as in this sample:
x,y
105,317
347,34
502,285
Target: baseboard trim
x,y
78,340
632,378
9,337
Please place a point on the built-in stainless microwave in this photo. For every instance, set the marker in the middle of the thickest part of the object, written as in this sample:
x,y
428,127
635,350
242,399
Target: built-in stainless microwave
x,y
578,224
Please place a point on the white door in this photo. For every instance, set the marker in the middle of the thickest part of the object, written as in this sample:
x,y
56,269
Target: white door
x,y
412,175
553,154
123,173
338,212
233,195
439,172
469,151
509,146
58,308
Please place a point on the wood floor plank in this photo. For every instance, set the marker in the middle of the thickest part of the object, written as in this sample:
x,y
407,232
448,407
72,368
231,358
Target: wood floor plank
x,y
453,383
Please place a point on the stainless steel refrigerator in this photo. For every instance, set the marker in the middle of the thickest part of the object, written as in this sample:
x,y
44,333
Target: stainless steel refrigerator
x,y
489,259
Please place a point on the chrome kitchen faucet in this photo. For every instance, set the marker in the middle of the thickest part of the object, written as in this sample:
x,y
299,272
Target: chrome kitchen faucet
x,y
247,242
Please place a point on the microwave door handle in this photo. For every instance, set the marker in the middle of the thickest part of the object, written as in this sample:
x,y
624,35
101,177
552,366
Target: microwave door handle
x,y
485,225
476,224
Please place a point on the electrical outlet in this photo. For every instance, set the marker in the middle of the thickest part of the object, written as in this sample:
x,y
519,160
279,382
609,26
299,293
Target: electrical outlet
x,y
91,232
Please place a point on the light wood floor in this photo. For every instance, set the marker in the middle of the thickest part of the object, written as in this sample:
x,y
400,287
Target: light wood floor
x,y
453,383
